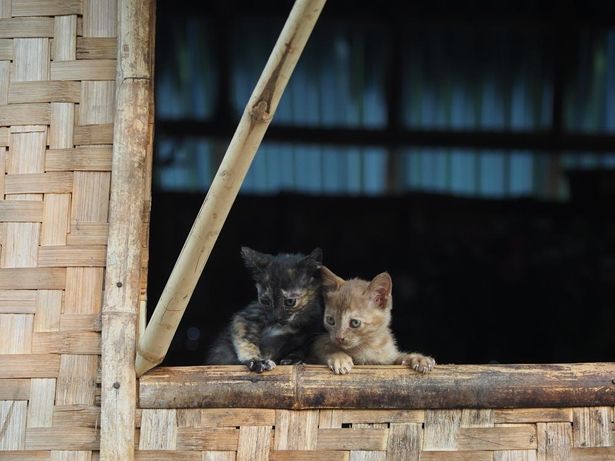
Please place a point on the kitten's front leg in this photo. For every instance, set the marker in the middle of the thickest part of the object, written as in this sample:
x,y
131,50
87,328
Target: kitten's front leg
x,y
418,362
245,337
340,363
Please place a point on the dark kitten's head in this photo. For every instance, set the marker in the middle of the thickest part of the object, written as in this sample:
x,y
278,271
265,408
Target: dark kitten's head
x,y
287,284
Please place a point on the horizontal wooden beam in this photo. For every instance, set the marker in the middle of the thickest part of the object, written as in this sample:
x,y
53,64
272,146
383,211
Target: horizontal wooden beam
x,y
545,141
381,387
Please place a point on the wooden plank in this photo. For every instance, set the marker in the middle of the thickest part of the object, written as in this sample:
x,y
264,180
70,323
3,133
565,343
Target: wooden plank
x,y
381,416
441,429
18,302
21,211
21,245
591,427
77,379
26,27
311,455
66,342
15,389
352,439
185,418
207,438
72,256
31,61
94,134
533,415
48,311
99,18
13,424
592,454
94,158
296,430
62,438
32,278
29,365
166,455
254,443
220,417
99,69
40,408
58,182
219,455
4,137
91,197
65,38
84,289
158,430
405,441
76,415
96,48
75,322
74,455
522,437
5,81
554,441
16,337
62,125
44,91
457,456
25,455
45,7
476,386
514,455
56,218
97,102
6,49
88,234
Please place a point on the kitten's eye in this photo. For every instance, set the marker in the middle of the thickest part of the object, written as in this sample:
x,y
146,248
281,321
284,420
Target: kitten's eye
x,y
354,323
330,320
265,301
290,302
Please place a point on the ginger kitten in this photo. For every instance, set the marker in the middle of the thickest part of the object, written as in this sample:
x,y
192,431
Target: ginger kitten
x,y
357,318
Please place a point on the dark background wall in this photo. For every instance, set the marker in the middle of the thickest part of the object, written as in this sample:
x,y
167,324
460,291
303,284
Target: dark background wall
x,y
467,147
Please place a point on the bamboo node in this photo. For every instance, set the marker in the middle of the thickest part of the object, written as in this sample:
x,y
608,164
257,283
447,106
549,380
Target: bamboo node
x,y
259,112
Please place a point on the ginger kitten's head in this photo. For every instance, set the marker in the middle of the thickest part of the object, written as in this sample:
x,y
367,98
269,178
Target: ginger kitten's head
x,y
356,310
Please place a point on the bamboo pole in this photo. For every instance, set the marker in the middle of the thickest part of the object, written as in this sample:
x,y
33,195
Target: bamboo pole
x,y
129,202
153,345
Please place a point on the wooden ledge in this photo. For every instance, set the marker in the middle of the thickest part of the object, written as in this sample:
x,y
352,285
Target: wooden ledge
x,y
381,387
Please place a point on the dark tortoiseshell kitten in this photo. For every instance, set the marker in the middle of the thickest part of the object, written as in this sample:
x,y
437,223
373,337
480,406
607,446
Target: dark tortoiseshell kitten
x,y
279,327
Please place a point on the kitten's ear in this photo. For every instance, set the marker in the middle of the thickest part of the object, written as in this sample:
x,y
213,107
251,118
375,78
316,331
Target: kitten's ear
x,y
379,290
313,261
255,260
330,281
316,255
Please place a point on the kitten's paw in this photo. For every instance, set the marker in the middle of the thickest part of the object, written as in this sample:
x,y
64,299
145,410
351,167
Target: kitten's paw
x,y
259,366
419,362
291,361
340,363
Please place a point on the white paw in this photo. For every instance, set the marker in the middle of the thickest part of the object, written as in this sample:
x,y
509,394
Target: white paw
x,y
419,363
340,363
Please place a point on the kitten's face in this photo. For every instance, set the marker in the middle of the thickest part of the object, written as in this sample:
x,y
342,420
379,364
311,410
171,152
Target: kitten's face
x,y
287,284
356,310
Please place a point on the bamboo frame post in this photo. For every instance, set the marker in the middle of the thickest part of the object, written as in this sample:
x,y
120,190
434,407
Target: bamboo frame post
x,y
154,344
129,204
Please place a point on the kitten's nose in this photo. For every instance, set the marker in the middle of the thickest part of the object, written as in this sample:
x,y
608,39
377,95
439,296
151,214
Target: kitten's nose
x,y
340,339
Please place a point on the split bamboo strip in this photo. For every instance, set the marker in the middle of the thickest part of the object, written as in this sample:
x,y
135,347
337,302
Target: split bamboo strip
x,y
133,133
257,115
303,387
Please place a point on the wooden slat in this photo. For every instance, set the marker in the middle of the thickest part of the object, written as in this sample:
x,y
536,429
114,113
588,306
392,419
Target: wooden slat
x,y
6,49
66,342
55,219
207,438
96,48
62,125
533,415
592,454
45,7
21,246
381,416
25,455
522,437
4,136
317,455
77,379
76,415
25,114
99,69
49,307
91,197
405,441
83,293
95,158
29,365
42,397
88,234
166,455
457,456
26,27
16,337
21,211
65,38
62,438
58,182
18,301
514,455
13,424
94,134
97,102
75,322
14,389
254,443
5,77
592,427
352,439
158,430
44,91
72,256
219,456
33,278
296,430
99,18
554,441
220,417
475,386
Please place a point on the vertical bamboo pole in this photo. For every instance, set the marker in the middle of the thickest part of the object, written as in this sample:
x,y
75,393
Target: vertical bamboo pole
x,y
132,144
258,113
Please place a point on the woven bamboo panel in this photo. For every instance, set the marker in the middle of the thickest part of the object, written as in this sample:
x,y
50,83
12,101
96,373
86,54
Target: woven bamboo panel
x,y
57,86
534,434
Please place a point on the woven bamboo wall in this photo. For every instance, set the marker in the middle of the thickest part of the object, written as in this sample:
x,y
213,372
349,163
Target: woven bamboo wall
x,y
373,435
57,93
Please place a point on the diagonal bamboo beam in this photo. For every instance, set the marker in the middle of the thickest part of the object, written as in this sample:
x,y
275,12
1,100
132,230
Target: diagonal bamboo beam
x,y
154,344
